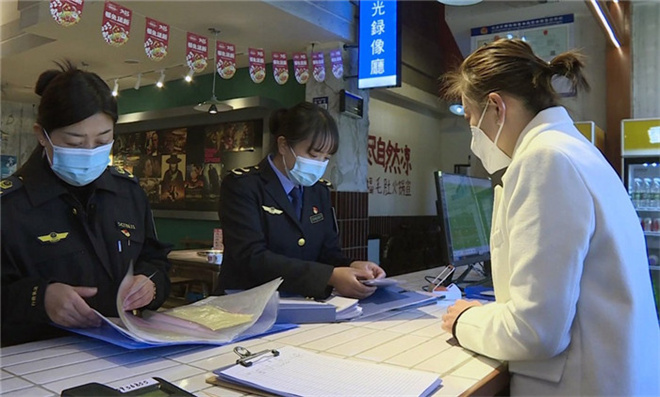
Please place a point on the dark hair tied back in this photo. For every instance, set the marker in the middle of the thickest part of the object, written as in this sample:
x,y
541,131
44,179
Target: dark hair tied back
x,y
71,95
570,65
303,121
45,79
511,66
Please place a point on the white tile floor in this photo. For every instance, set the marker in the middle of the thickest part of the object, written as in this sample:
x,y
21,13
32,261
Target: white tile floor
x,y
410,338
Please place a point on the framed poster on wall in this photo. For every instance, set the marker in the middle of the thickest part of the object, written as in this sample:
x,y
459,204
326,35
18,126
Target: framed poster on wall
x,y
181,168
180,156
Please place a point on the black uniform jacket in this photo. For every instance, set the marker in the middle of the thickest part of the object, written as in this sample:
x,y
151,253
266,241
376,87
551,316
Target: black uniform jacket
x,y
49,237
264,239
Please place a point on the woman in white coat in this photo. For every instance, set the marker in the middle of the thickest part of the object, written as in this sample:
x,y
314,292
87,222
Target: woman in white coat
x,y
574,311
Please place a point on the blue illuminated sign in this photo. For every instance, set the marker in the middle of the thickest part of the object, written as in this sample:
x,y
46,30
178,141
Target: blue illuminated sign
x,y
379,55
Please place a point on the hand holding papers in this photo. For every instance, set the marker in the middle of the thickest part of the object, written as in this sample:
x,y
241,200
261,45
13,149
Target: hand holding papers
x,y
214,320
380,282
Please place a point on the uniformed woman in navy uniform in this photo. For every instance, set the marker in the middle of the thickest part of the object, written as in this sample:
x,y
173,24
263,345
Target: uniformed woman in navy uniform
x,y
277,218
71,225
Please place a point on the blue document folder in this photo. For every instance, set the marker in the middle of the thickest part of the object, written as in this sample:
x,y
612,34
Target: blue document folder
x,y
108,334
306,313
391,298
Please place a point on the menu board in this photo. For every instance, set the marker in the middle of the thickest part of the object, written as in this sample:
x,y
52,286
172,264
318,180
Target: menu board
x,y
182,168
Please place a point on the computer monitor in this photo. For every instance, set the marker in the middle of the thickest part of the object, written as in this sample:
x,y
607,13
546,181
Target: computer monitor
x,y
465,208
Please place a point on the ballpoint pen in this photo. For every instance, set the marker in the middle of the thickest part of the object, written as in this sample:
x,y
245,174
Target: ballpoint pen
x,y
440,278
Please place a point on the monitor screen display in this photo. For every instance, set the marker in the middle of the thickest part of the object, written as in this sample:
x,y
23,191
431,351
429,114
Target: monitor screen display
x,y
465,206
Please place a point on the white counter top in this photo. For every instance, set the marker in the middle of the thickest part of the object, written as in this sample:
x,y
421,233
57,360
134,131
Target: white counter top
x,y
409,338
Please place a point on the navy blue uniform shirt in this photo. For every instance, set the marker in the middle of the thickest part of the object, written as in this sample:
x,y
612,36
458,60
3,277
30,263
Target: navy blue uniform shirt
x,y
49,236
264,239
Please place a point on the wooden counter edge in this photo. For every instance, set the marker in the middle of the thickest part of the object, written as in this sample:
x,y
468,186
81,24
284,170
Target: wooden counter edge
x,y
496,381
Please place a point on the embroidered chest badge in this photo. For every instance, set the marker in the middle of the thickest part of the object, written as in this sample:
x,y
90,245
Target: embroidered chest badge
x,y
53,237
272,210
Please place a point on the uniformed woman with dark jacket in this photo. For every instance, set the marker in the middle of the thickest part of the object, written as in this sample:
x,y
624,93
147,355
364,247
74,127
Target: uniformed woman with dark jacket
x,y
71,225
277,218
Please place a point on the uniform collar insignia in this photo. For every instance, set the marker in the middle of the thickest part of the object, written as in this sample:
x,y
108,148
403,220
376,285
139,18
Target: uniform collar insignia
x,y
53,237
272,210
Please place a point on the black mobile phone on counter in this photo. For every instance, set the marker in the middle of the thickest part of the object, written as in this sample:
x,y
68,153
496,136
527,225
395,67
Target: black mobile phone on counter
x,y
151,387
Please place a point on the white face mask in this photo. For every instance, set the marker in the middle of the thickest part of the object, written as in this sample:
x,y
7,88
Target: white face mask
x,y
305,172
491,156
79,167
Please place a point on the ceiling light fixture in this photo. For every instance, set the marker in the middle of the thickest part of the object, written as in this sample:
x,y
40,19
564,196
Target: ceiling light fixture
x,y
189,75
138,81
213,106
605,23
460,2
115,89
161,79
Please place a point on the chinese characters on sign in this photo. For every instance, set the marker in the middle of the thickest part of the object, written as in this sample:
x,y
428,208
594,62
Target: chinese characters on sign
x,y
116,24
280,67
379,45
226,56
300,67
393,159
318,64
337,64
197,52
66,12
257,64
156,39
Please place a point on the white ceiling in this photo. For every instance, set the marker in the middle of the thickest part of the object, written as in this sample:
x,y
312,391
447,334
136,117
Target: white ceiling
x,y
32,40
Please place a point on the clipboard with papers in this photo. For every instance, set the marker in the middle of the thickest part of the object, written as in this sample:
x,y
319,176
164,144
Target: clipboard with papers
x,y
291,371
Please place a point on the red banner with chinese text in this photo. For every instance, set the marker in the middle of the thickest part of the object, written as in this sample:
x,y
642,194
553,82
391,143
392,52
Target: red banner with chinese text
x,y
337,64
156,39
66,12
226,59
300,67
318,66
197,52
116,24
257,64
280,68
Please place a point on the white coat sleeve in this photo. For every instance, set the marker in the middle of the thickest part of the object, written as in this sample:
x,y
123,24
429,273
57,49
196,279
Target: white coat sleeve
x,y
548,219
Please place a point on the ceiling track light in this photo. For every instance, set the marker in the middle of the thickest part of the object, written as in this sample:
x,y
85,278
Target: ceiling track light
x,y
189,75
115,88
138,81
161,79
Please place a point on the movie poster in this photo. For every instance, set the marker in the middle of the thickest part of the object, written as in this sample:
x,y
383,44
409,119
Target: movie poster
x,y
182,168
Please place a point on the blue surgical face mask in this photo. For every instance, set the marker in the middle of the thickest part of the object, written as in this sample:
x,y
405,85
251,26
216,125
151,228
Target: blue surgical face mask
x,y
305,172
77,166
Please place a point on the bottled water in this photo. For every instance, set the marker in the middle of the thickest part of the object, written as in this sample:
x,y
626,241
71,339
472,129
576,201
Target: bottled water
x,y
637,192
646,193
655,194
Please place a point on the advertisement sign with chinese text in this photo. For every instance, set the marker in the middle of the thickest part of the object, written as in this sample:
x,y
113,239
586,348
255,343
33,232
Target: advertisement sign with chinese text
x,y
379,53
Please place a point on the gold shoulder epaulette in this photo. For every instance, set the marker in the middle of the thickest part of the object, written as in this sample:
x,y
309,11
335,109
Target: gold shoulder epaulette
x,y
242,171
119,171
9,185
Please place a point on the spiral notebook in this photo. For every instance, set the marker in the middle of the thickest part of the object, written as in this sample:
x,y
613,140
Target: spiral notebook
x,y
291,371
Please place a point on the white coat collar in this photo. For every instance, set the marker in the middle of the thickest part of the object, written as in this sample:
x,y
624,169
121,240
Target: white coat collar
x,y
544,120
